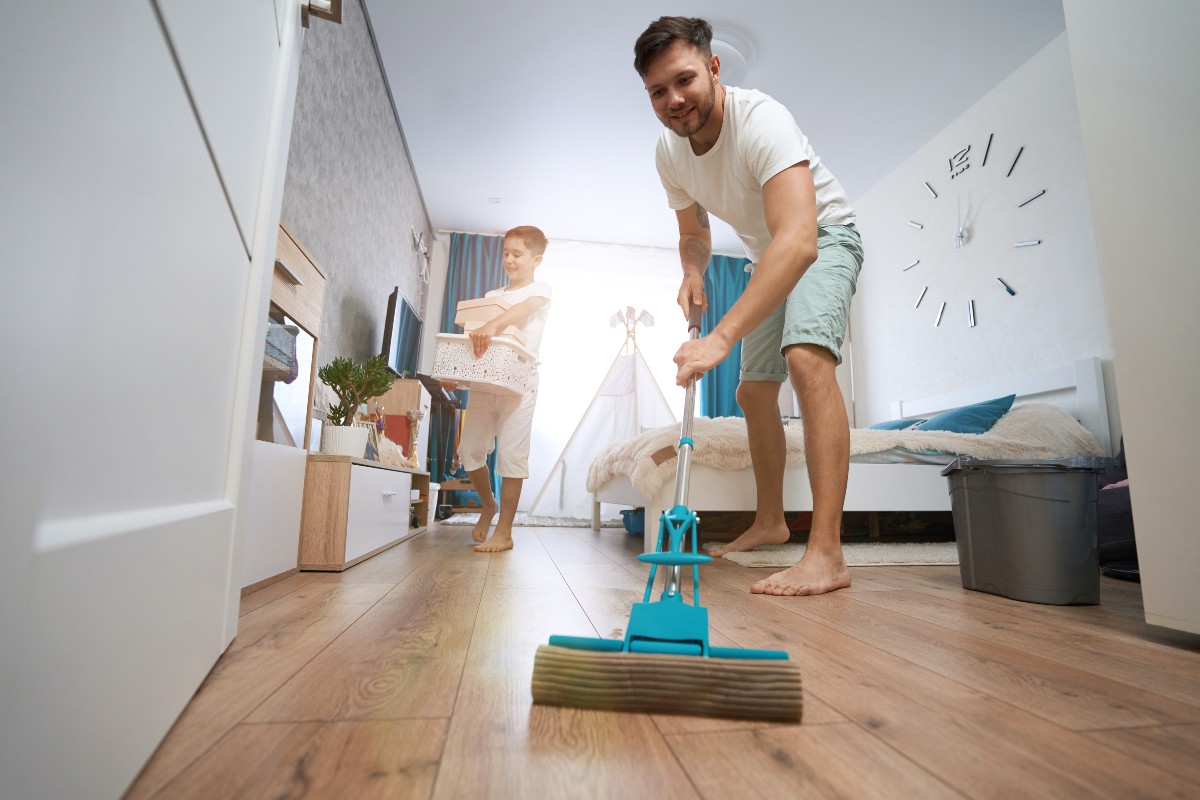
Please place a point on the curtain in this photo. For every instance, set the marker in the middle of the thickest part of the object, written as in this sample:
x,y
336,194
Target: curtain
x,y
724,281
476,266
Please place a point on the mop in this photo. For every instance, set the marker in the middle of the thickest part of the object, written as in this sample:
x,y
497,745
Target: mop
x,y
665,664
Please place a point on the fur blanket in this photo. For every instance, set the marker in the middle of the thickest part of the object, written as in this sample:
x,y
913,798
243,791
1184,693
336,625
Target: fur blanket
x,y
1031,431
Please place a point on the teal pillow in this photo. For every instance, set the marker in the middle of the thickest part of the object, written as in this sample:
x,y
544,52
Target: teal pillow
x,y
895,424
977,418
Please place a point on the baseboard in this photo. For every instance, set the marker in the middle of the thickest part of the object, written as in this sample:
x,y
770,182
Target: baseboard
x,y
254,587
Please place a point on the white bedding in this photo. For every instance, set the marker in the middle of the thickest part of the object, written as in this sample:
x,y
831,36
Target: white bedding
x,y
1028,431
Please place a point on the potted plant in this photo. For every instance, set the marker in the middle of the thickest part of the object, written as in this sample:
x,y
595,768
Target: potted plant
x,y
354,383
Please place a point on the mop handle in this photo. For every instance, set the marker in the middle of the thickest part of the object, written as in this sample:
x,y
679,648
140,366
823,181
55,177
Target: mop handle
x,y
689,407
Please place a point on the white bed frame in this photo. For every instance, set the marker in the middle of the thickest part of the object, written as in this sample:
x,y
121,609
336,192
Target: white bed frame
x,y
1077,388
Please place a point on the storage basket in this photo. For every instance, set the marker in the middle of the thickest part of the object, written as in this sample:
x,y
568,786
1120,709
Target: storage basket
x,y
506,367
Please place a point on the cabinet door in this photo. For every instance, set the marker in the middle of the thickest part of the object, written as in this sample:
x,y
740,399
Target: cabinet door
x,y
379,509
227,49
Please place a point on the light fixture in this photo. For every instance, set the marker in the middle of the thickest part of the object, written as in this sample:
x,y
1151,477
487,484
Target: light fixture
x,y
736,53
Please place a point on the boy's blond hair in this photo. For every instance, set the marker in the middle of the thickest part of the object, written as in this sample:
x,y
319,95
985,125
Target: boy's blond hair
x,y
533,238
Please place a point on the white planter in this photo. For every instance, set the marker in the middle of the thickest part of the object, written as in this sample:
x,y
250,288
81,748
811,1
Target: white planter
x,y
344,440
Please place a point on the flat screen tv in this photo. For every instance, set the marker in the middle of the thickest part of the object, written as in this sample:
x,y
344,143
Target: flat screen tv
x,y
401,336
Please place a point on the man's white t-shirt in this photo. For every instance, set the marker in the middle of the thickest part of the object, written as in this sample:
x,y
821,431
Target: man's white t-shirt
x,y
759,139
535,323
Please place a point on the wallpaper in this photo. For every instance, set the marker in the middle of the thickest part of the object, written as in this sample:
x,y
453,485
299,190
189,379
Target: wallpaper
x,y
351,196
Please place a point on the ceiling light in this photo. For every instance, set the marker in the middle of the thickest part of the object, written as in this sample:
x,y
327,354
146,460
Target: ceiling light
x,y
736,53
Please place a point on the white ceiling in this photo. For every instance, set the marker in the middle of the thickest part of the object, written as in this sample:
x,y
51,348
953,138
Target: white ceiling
x,y
536,103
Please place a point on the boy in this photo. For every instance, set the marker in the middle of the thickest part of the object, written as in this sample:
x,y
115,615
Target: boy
x,y
502,417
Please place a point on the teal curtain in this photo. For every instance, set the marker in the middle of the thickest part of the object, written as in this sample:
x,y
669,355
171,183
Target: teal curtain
x,y
476,266
724,281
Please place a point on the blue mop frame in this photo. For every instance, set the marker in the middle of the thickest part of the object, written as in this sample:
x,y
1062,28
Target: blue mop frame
x,y
669,625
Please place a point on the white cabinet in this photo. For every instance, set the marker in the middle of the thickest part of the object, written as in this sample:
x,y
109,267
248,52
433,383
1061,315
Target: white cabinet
x,y
354,508
273,527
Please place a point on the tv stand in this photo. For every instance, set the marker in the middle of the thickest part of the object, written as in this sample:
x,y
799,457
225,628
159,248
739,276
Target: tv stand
x,y
355,508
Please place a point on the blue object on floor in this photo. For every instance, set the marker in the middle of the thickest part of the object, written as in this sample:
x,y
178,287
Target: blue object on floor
x,y
635,520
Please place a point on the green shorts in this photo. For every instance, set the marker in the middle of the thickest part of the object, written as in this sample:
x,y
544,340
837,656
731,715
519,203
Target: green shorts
x,y
816,312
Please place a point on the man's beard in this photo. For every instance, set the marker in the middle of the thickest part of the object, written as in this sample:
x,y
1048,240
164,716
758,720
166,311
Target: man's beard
x,y
703,111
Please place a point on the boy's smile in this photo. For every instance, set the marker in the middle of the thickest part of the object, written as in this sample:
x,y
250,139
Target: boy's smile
x,y
519,262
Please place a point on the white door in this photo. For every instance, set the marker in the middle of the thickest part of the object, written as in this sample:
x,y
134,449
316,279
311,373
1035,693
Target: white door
x,y
125,334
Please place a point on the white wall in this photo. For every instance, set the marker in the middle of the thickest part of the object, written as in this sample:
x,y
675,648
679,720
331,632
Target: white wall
x,y
1057,315
1135,68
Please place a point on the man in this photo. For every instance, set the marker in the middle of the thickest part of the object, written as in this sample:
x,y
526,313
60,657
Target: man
x,y
739,154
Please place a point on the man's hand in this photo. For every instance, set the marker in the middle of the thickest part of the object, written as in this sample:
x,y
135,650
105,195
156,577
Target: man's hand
x,y
691,293
698,356
481,337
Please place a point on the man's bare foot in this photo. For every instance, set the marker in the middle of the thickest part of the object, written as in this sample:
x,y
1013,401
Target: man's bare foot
x,y
753,537
501,540
817,572
486,513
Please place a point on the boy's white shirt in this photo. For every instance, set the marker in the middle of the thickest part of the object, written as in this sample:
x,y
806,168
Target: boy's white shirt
x,y
533,325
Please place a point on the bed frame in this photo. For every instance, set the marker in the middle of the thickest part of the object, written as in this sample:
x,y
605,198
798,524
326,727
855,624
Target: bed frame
x,y
1077,388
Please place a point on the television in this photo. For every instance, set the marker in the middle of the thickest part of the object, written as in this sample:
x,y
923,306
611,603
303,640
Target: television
x,y
401,336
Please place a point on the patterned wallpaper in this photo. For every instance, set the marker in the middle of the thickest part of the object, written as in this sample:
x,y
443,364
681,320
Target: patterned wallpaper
x,y
351,196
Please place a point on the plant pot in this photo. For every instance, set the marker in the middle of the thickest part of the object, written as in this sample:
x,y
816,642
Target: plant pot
x,y
344,440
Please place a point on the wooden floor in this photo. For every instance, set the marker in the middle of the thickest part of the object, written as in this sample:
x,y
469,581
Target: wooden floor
x,y
408,676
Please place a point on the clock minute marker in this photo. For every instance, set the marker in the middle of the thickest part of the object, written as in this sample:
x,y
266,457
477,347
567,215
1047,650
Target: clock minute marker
x,y
910,266
1029,243
1030,200
930,188
938,321
1015,160
987,150
971,313
916,224
920,297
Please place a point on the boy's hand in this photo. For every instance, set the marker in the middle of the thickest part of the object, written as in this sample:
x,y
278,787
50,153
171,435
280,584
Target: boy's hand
x,y
691,292
481,337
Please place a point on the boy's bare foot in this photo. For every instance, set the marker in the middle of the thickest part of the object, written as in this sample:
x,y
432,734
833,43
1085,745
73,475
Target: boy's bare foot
x,y
753,537
486,513
501,540
817,572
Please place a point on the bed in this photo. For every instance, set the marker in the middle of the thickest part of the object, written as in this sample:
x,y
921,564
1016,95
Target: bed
x,y
1058,412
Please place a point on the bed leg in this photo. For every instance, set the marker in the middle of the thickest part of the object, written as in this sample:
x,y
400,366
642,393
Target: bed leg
x,y
873,525
595,513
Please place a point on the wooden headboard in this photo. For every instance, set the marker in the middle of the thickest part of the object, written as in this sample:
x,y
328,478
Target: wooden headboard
x,y
1077,388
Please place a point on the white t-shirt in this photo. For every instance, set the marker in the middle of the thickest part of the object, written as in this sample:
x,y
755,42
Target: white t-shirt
x,y
759,139
535,323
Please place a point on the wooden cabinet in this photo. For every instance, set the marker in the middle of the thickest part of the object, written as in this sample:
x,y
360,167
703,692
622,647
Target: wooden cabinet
x,y
355,508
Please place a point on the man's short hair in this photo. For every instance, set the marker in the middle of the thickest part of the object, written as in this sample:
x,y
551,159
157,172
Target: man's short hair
x,y
666,30
533,238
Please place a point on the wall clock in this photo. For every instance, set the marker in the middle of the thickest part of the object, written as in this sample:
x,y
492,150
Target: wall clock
x,y
963,232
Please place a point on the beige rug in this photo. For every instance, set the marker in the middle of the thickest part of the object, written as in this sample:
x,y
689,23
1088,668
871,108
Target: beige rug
x,y
857,554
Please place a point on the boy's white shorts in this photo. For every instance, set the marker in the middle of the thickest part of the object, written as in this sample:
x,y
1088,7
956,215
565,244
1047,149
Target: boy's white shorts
x,y
492,417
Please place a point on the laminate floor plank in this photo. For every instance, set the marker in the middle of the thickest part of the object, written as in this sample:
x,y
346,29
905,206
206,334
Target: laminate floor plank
x,y
1174,674
273,643
361,760
803,762
1174,749
401,659
271,593
501,745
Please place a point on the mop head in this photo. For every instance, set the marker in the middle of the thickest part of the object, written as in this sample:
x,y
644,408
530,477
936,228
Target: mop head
x,y
668,684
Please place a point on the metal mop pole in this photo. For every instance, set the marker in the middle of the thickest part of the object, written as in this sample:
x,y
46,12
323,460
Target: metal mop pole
x,y
673,574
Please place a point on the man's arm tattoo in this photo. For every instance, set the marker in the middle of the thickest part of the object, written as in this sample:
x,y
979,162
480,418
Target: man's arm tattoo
x,y
701,216
696,253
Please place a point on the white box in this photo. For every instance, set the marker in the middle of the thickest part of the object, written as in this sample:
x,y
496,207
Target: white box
x,y
506,367
471,314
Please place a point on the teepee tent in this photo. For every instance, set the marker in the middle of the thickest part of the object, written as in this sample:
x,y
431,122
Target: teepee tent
x,y
628,402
